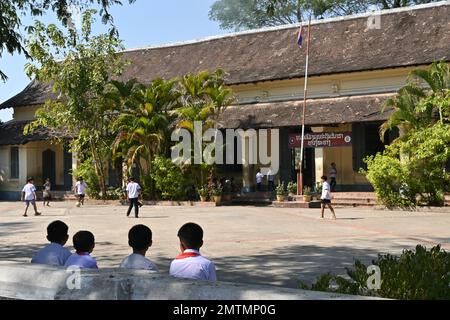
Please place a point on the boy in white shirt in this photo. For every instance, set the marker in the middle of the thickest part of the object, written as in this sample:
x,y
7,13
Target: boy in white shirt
x,y
84,244
190,264
80,191
259,179
54,254
326,197
133,191
29,196
140,239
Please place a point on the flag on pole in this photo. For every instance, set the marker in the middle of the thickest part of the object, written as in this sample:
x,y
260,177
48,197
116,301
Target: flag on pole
x,y
300,37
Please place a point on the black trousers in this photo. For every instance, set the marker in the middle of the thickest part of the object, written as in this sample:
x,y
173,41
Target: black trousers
x,y
333,184
134,202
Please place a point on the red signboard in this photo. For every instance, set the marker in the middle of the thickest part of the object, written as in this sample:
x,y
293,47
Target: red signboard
x,y
321,140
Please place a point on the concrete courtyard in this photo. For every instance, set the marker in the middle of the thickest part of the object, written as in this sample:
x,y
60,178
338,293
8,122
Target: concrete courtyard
x,y
261,245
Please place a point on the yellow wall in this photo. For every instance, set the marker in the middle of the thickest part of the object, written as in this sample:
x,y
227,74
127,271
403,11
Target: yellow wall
x,y
30,164
25,113
342,156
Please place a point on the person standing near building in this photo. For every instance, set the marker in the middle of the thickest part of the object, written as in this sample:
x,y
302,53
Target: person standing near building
x,y
326,197
259,179
133,191
46,192
270,180
333,177
80,191
29,196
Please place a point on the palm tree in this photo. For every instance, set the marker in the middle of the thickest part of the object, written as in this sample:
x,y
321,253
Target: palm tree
x,y
203,97
143,126
410,107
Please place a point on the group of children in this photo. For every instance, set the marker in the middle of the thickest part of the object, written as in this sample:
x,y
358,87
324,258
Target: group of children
x,y
190,264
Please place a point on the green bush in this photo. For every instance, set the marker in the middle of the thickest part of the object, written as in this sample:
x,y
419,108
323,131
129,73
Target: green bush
x,y
416,275
411,171
169,179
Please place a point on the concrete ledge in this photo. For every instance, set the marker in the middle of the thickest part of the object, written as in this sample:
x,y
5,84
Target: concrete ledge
x,y
38,282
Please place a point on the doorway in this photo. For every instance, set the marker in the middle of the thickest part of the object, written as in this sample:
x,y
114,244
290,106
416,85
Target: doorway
x,y
49,166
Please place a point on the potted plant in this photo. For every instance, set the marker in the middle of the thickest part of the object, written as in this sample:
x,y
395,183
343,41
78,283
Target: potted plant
x,y
307,197
292,189
216,193
318,191
203,192
281,193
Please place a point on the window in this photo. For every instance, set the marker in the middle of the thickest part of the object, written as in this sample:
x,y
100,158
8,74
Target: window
x,y
14,161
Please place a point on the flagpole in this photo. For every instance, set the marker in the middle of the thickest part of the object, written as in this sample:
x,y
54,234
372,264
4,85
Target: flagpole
x,y
305,93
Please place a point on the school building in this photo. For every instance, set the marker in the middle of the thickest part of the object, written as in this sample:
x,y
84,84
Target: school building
x,y
356,63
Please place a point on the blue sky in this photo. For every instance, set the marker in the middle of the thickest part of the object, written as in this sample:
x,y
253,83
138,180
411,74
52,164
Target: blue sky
x,y
146,22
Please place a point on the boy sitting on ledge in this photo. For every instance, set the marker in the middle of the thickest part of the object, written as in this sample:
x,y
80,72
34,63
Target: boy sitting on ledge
x,y
54,254
84,243
190,264
140,239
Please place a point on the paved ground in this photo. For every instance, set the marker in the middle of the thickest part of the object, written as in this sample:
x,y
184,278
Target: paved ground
x,y
248,244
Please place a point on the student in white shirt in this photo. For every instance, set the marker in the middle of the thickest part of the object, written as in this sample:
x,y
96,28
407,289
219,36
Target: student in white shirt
x,y
80,191
140,239
84,244
326,197
259,179
133,191
190,264
29,196
54,254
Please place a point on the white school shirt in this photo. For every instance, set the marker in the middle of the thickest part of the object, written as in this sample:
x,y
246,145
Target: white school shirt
x,y
196,268
259,177
138,262
325,191
82,261
80,187
29,190
52,254
133,189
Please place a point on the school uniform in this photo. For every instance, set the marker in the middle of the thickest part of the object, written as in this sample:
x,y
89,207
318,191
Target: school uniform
x,y
52,254
82,261
191,265
29,189
80,188
133,190
326,198
138,262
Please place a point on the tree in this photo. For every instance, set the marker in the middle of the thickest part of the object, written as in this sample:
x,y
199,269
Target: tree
x,y
415,163
144,124
11,12
415,105
203,97
79,68
250,14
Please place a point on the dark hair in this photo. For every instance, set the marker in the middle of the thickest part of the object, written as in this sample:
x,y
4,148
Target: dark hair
x,y
324,178
83,241
30,179
333,164
139,237
57,231
132,179
80,178
191,235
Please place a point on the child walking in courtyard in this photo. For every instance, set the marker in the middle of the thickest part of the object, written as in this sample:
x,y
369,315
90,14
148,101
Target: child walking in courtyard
x,y
133,191
29,196
80,191
190,264
46,192
54,254
326,197
84,244
140,239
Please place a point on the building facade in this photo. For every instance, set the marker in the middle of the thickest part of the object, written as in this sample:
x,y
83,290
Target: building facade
x,y
356,63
